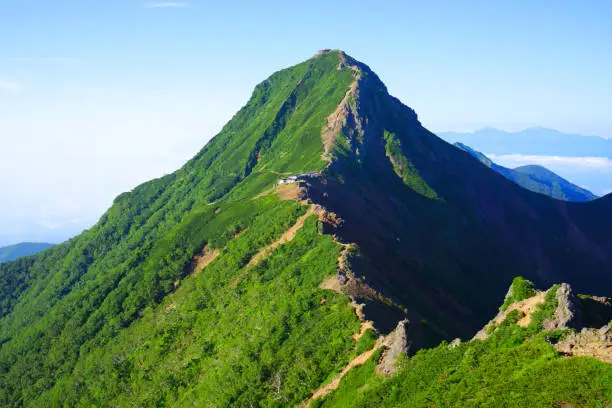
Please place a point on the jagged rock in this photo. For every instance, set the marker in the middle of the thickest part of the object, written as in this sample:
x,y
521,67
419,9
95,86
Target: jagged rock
x,y
395,345
568,314
596,343
454,344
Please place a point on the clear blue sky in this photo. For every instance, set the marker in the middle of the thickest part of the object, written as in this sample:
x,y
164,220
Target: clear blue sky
x,y
97,96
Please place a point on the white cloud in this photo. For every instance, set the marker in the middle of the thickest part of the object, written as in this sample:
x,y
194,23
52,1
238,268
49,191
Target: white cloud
x,y
592,173
9,86
166,4
587,162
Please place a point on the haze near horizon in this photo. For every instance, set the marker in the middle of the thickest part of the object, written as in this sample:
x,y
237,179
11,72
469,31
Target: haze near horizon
x,y
98,97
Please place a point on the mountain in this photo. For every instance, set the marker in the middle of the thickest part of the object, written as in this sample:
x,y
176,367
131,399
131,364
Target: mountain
x,y
12,252
322,216
535,178
557,186
533,141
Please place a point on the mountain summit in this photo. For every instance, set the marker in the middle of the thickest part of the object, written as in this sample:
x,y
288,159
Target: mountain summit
x,y
322,215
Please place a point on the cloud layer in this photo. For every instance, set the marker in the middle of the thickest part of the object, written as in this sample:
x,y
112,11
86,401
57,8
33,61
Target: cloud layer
x,y
599,163
592,173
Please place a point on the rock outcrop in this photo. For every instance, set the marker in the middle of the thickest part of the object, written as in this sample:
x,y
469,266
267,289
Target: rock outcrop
x,y
396,344
596,343
568,314
454,344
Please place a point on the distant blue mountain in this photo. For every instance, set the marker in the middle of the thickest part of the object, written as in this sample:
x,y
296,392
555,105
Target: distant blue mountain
x,y
12,252
535,178
532,141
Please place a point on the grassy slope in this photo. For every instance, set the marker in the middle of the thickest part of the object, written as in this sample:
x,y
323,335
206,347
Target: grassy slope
x,y
73,301
514,367
227,334
94,321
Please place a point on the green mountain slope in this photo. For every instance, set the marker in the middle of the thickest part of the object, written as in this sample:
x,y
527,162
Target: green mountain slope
x,y
12,252
213,287
515,362
536,178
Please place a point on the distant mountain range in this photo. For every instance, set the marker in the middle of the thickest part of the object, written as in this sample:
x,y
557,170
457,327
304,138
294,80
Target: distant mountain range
x,y
532,141
12,252
535,178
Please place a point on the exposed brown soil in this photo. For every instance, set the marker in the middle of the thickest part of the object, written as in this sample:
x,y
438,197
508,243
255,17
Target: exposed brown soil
x,y
526,307
365,325
290,191
335,382
264,252
202,260
286,237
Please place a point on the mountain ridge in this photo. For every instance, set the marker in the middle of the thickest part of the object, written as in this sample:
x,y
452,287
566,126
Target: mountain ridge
x,y
532,141
13,252
408,227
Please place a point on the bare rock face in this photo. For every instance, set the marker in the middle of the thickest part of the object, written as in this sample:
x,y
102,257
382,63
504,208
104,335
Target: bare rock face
x,y
596,343
395,345
454,344
568,314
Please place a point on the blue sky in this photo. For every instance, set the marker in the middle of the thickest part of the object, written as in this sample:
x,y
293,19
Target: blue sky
x,y
97,96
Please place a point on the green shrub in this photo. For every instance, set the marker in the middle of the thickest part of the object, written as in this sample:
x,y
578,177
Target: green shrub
x,y
366,342
520,289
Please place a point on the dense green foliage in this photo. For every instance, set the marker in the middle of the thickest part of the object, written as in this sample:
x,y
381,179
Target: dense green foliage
x,y
514,367
12,252
255,334
404,168
367,341
71,306
520,289
118,316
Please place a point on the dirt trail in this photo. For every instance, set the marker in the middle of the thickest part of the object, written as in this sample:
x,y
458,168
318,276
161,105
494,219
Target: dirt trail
x,y
331,284
526,307
333,384
202,260
286,237
365,325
